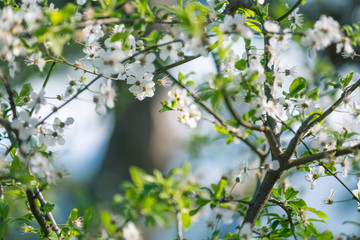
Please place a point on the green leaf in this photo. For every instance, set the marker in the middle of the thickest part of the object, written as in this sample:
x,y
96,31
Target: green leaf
x,y
190,83
166,107
186,220
346,80
52,236
56,17
330,167
318,213
325,235
137,176
195,211
73,216
26,90
218,6
4,208
352,222
220,189
296,86
241,64
48,207
290,193
3,225
221,130
298,202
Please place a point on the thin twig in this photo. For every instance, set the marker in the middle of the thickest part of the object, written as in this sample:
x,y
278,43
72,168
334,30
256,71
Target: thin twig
x,y
10,93
44,84
290,11
179,225
339,180
238,118
226,200
128,20
151,48
68,101
288,213
175,64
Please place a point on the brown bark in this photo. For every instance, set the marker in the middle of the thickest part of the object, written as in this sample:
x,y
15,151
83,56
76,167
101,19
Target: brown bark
x,y
262,196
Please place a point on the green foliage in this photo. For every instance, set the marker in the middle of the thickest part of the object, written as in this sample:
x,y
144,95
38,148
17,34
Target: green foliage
x,y
156,197
296,86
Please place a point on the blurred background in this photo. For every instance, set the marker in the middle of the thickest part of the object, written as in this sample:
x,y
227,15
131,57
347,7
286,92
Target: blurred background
x,y
100,149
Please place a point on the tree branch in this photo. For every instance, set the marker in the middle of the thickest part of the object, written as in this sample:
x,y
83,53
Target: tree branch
x,y
175,64
219,118
321,155
238,118
37,214
49,217
307,125
5,81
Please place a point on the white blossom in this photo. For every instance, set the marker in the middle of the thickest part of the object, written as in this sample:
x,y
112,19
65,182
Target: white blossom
x,y
25,125
246,232
143,86
314,174
145,62
37,99
169,50
80,2
236,24
42,168
190,115
271,27
92,33
130,232
36,59
242,173
295,19
356,193
109,62
225,215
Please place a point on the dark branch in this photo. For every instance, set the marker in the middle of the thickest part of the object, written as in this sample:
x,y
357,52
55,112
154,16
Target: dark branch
x,y
37,214
321,155
308,124
6,83
238,118
49,217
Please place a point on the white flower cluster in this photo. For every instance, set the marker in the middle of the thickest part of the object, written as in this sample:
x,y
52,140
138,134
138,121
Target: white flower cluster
x,y
326,31
51,137
237,25
189,112
12,26
43,168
